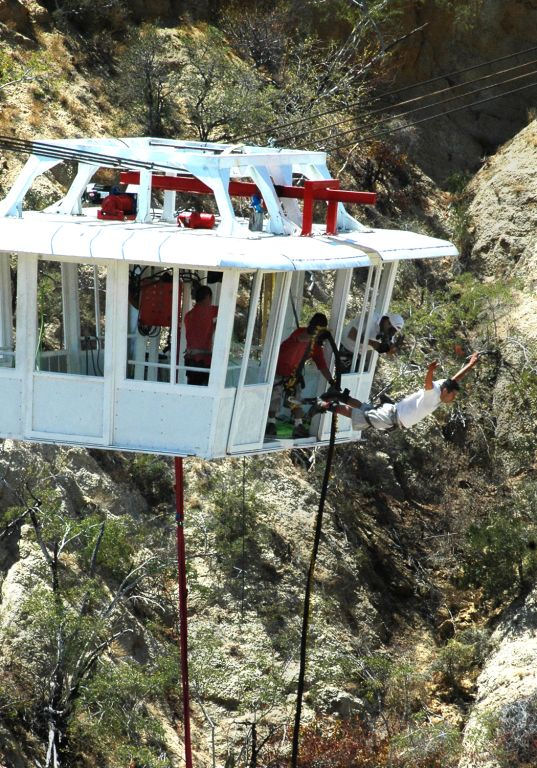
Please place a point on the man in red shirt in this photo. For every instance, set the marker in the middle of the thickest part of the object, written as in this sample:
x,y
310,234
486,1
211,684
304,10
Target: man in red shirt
x,y
199,330
302,345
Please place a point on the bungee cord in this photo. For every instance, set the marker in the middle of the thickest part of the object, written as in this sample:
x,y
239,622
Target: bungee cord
x,y
313,560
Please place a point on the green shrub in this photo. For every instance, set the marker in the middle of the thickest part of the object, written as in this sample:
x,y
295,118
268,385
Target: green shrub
x,y
428,745
513,733
153,477
496,556
459,656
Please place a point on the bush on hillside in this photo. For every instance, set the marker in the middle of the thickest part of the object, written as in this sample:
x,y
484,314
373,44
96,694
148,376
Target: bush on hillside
x,y
498,547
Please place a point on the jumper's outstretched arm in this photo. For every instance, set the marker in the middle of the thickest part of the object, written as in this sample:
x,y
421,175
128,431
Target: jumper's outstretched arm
x,y
474,357
431,368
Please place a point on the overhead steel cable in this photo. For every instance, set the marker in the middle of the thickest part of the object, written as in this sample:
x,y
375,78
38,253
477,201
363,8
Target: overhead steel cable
x,y
296,121
375,135
64,152
411,111
462,71
380,110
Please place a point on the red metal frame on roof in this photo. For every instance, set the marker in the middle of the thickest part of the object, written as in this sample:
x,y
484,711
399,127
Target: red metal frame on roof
x,y
327,190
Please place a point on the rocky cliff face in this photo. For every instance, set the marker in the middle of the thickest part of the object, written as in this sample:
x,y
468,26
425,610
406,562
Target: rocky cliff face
x,y
503,212
457,36
502,721
503,218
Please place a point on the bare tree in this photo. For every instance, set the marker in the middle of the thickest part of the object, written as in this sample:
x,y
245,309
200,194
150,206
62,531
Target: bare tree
x,y
148,79
77,618
221,94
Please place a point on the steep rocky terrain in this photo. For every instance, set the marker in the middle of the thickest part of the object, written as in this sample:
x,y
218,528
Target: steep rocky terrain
x,y
407,633
459,36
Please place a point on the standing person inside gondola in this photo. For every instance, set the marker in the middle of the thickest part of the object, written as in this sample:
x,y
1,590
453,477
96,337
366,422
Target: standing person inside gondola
x,y
199,329
306,343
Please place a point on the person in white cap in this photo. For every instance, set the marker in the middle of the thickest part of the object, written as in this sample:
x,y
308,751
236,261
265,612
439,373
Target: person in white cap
x,y
382,331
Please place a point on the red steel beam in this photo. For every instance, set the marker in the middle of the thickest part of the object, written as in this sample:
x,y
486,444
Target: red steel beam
x,y
190,184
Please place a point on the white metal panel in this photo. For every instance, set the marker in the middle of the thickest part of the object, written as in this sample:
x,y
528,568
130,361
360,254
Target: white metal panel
x,y
89,239
249,419
112,348
397,244
11,417
26,331
53,234
157,419
221,422
68,405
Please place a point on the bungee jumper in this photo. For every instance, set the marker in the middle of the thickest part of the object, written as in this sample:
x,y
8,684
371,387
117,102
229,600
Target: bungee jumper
x,y
403,414
305,343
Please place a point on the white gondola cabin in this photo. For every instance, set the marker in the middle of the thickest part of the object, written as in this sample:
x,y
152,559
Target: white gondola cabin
x,y
92,336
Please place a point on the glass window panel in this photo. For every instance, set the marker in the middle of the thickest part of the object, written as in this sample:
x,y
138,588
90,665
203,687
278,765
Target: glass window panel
x,y
317,298
150,327
355,317
71,305
259,316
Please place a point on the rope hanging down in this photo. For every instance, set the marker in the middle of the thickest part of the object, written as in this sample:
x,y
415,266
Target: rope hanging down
x,y
313,559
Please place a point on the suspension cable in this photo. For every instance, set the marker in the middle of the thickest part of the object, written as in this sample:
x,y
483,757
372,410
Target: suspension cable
x,y
419,98
281,126
375,135
82,155
410,111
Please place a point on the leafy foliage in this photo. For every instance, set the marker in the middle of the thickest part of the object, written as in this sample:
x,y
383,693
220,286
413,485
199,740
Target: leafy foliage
x,y
153,476
459,656
88,16
515,733
499,546
23,69
429,745
148,78
222,95
88,574
114,716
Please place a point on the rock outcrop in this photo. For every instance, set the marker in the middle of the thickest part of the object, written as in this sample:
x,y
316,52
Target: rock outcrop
x,y
503,221
509,677
455,36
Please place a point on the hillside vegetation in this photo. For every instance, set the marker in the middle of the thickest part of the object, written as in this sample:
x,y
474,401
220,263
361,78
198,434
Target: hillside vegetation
x,y
428,558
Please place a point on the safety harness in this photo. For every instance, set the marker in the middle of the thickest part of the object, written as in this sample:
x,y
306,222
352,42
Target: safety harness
x,y
296,378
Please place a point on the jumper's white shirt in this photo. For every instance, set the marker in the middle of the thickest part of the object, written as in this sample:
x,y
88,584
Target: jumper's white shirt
x,y
418,405
349,344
